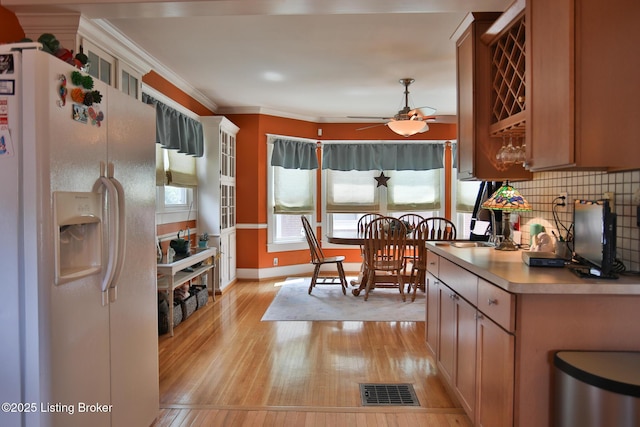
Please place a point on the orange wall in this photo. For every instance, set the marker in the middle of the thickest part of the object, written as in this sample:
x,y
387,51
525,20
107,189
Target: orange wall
x,y
251,177
174,228
10,29
251,186
162,85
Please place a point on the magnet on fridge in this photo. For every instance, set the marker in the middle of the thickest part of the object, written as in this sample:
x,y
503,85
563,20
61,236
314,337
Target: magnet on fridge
x,y
62,91
6,144
96,116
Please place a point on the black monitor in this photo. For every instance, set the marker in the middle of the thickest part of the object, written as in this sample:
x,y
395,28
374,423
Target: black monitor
x,y
594,236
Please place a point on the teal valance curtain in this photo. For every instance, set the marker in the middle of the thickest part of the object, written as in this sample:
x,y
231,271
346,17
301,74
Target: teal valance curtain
x,y
175,131
294,154
384,156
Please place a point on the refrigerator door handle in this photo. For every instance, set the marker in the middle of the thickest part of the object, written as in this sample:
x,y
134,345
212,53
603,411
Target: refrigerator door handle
x,y
121,237
112,235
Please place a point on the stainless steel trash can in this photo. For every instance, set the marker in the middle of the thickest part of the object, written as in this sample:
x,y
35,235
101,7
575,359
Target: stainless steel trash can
x,y
597,389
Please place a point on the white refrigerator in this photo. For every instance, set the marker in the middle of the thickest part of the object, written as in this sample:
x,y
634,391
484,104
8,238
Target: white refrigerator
x,y
78,322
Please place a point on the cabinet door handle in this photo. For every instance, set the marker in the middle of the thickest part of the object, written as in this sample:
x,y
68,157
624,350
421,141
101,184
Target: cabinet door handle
x,y
492,301
479,316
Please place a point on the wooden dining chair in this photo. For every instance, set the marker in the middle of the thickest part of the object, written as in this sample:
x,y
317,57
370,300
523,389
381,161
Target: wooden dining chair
x,y
385,240
440,228
363,221
411,221
318,260
434,228
366,219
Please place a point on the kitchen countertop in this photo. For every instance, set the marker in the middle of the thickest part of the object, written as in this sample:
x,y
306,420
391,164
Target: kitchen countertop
x,y
508,271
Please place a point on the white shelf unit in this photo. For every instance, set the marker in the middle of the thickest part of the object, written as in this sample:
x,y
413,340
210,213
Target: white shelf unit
x,y
171,275
217,194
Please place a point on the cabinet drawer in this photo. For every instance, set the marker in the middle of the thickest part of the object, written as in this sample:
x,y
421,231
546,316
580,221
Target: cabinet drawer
x,y
497,304
433,261
459,279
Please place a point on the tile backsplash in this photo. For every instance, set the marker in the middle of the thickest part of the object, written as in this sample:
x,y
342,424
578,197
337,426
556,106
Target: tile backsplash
x,y
546,186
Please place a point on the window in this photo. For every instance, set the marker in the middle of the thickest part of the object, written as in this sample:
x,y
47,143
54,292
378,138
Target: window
x,y
463,198
349,194
175,196
101,63
174,168
351,191
291,194
111,69
129,81
293,190
415,174
175,204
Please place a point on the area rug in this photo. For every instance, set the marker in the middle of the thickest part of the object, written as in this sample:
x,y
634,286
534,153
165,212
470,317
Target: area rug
x,y
326,302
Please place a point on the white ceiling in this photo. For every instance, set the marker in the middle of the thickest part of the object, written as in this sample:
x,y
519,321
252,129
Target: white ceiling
x,y
318,59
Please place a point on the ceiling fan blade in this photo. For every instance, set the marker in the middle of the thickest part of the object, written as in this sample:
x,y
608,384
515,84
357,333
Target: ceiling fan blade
x,y
369,117
372,126
422,112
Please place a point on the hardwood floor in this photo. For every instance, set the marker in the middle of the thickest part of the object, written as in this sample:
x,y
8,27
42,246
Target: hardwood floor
x,y
224,367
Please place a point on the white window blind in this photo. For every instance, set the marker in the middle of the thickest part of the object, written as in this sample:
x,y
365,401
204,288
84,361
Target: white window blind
x,y
466,193
175,169
161,175
406,191
293,190
351,191
180,169
413,190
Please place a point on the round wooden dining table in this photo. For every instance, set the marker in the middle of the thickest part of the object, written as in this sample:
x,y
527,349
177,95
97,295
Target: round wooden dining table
x,y
355,238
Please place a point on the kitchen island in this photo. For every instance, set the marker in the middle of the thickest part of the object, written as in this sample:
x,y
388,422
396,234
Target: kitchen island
x,y
494,323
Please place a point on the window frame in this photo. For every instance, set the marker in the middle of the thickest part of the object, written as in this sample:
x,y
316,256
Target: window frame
x,y
327,218
283,246
175,213
460,219
124,68
87,47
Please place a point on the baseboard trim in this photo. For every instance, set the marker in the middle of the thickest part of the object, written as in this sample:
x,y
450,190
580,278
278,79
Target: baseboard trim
x,y
351,269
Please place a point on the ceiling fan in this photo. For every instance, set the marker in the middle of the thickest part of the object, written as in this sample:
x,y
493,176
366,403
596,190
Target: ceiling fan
x,y
408,121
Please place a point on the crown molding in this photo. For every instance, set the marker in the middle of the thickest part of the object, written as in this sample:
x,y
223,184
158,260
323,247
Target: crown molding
x,y
115,44
265,111
169,102
100,30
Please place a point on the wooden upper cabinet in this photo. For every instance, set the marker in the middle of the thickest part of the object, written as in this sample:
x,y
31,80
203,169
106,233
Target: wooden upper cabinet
x,y
583,97
477,148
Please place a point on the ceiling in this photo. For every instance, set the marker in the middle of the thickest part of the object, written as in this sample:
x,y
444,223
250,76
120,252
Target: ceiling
x,y
321,60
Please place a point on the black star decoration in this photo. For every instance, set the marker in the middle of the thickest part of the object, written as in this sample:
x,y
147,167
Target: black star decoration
x,y
382,180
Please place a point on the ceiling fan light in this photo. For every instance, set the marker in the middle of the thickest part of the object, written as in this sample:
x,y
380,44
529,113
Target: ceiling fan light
x,y
407,127
425,128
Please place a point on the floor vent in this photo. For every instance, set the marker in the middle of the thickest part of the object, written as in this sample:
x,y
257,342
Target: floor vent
x,y
388,395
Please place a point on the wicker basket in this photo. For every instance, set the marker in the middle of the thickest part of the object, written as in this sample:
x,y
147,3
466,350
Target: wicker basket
x,y
202,295
189,305
178,315
163,314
